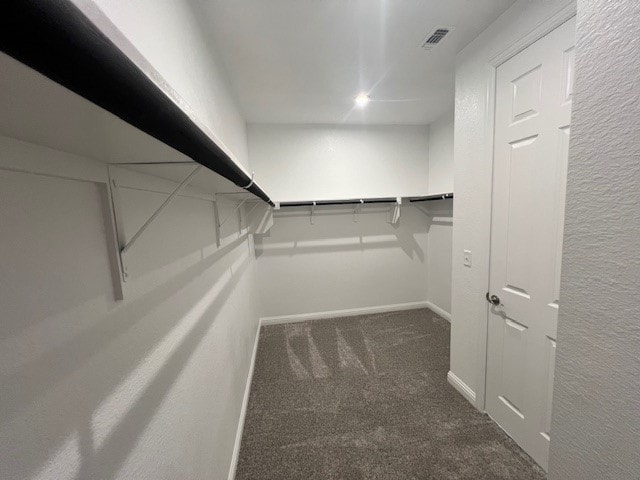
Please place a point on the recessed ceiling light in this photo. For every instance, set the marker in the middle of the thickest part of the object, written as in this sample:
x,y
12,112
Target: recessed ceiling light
x,y
362,99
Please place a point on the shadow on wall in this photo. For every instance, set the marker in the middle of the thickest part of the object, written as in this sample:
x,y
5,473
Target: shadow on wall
x,y
186,225
52,404
339,230
441,213
123,437
183,228
77,382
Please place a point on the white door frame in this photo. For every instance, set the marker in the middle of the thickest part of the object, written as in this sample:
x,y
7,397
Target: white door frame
x,y
536,34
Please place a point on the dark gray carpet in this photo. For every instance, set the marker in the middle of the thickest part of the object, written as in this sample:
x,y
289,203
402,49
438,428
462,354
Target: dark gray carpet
x,y
367,398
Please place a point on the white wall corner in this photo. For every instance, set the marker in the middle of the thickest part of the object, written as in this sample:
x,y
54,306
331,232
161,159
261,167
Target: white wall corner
x,y
243,410
439,311
461,387
440,134
428,156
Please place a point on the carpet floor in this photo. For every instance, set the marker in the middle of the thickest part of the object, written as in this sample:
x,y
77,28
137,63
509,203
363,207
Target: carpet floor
x,y
367,397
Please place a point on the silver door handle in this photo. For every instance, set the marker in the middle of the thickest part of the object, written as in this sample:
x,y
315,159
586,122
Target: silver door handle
x,y
493,299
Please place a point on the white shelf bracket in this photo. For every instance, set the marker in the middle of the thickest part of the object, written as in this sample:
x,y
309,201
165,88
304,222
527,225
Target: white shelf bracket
x,y
216,219
164,205
114,237
256,204
395,216
235,209
356,210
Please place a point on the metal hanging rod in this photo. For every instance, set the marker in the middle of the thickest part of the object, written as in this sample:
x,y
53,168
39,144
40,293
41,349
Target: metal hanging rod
x,y
429,198
352,201
185,162
355,201
394,212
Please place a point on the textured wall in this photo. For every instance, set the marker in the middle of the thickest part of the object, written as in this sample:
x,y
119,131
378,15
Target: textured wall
x,y
441,155
472,180
441,225
596,427
147,388
439,255
339,264
315,162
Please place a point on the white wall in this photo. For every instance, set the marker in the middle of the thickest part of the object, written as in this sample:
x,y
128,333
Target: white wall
x,y
472,180
316,162
148,388
440,228
441,224
441,155
339,264
168,35
595,429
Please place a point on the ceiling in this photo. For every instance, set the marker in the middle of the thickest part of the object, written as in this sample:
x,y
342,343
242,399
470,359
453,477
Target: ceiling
x,y
303,61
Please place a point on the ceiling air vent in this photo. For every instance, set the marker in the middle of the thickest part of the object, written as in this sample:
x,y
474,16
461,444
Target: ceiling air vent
x,y
435,37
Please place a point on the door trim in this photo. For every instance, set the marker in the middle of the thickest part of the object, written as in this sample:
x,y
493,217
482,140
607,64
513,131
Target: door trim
x,y
543,29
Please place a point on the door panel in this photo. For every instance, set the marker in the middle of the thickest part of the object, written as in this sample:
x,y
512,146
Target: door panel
x,y
533,108
523,155
515,341
526,94
545,430
568,73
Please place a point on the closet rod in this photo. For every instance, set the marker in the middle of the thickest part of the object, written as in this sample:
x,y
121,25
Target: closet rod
x,y
430,198
56,39
352,201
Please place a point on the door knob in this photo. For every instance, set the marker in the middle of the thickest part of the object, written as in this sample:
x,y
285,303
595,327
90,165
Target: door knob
x,y
493,299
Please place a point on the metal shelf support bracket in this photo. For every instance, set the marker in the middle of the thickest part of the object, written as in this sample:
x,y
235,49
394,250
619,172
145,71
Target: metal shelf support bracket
x,y
395,216
155,214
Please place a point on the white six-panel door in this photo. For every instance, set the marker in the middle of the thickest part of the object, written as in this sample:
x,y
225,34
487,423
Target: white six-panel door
x,y
532,120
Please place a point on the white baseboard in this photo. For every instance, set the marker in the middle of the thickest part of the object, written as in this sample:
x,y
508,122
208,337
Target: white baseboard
x,y
461,387
436,309
243,410
349,312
